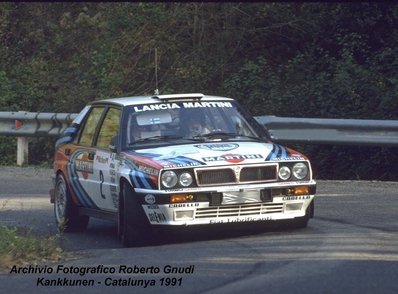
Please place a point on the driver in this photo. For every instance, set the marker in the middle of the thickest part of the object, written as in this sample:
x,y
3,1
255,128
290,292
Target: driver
x,y
196,127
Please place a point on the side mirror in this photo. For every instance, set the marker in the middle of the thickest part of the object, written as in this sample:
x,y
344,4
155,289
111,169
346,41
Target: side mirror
x,y
67,136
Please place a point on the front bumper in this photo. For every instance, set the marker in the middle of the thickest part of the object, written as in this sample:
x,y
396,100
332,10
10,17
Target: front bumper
x,y
248,205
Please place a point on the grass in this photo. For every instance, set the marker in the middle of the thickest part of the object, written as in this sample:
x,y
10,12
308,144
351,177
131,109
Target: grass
x,y
21,247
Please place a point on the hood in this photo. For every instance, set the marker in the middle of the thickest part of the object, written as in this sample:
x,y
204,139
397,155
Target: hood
x,y
212,154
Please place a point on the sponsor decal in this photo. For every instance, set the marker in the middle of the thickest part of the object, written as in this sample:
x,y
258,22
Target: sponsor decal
x,y
240,220
206,104
152,206
179,205
115,199
182,164
218,147
305,197
101,159
165,106
84,166
148,170
150,199
157,217
233,158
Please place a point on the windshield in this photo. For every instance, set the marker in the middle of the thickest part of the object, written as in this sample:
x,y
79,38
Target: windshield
x,y
187,121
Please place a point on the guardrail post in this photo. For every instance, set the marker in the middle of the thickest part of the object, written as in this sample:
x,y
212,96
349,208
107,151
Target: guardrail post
x,y
22,150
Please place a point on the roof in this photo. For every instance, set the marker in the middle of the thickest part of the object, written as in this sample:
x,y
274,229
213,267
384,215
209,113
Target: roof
x,y
136,100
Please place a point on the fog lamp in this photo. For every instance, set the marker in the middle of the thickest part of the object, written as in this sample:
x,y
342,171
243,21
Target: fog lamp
x,y
301,190
178,198
297,191
184,215
293,206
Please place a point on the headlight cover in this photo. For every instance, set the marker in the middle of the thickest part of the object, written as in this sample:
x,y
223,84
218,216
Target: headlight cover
x,y
284,173
185,179
300,170
169,179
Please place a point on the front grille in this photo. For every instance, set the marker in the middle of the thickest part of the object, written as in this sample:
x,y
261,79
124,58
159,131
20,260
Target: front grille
x,y
236,174
258,174
239,210
216,176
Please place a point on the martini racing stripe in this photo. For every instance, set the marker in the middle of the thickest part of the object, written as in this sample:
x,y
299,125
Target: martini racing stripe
x,y
278,151
178,160
140,180
80,193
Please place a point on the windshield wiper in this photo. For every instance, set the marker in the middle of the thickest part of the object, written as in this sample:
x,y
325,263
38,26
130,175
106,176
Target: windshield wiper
x,y
216,134
156,138
223,135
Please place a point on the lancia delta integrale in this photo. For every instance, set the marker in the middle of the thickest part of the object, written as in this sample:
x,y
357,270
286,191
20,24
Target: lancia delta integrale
x,y
175,160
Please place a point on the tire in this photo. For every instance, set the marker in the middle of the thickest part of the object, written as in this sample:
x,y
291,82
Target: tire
x,y
133,226
66,213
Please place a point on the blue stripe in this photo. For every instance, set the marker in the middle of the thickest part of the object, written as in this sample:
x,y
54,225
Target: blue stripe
x,y
275,152
78,190
144,180
133,178
80,193
283,155
140,180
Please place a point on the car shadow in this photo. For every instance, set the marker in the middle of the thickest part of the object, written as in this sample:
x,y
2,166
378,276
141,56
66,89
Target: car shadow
x,y
102,234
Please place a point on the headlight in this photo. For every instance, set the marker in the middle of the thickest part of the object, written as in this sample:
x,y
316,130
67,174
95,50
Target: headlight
x,y
300,170
185,179
284,173
169,179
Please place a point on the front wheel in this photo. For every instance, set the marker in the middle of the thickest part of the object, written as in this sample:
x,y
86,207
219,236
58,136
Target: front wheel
x,y
133,225
66,213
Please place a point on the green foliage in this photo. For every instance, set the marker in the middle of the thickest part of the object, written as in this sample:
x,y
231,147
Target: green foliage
x,y
41,150
327,60
19,246
8,147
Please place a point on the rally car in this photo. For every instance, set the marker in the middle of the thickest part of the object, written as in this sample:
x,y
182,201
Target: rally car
x,y
175,160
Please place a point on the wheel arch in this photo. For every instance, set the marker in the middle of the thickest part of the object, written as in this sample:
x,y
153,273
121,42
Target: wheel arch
x,y
124,181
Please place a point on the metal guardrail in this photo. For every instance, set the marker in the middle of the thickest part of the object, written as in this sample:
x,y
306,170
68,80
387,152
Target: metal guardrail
x,y
34,124
282,129
332,131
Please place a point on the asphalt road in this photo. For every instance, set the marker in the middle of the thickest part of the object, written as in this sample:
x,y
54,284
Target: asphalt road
x,y
351,246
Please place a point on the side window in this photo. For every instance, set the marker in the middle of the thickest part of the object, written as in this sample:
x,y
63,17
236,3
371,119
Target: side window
x,y
109,128
91,124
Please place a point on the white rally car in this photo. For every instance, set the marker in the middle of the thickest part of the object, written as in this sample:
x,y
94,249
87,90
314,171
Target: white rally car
x,y
175,160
